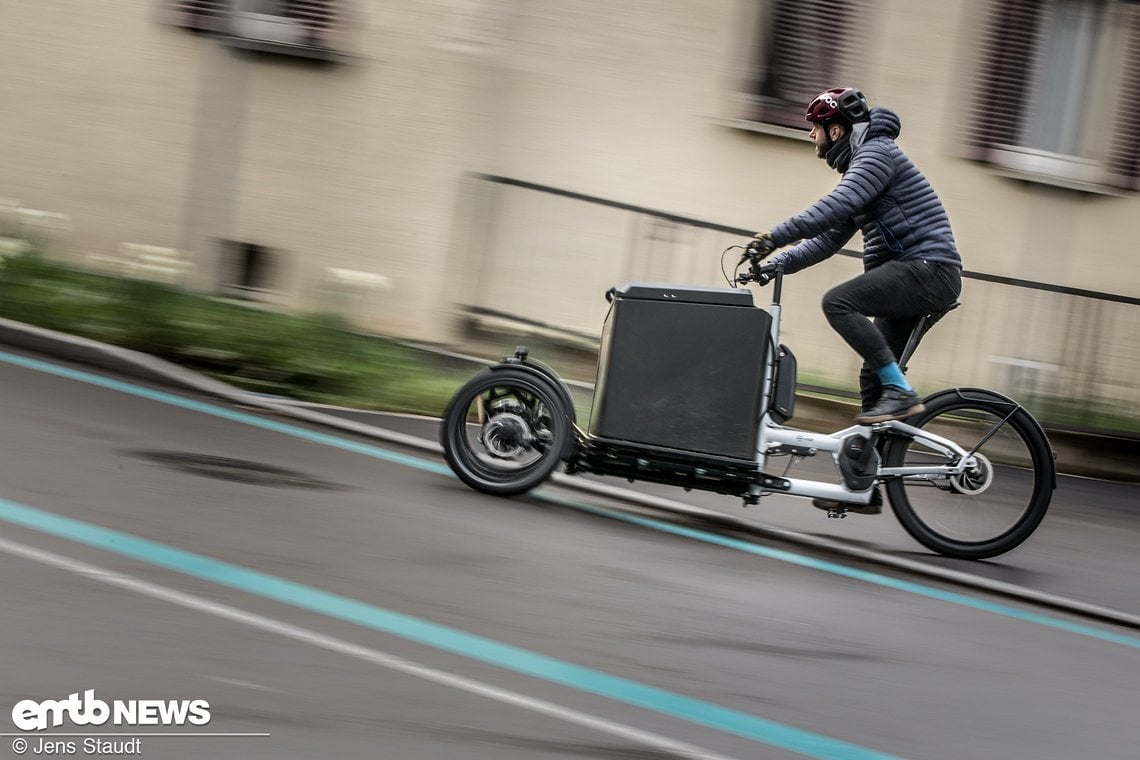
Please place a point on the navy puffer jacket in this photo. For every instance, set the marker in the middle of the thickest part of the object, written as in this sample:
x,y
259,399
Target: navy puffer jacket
x,y
881,193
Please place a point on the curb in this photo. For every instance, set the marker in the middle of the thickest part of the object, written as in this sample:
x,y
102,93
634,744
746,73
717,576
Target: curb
x,y
150,369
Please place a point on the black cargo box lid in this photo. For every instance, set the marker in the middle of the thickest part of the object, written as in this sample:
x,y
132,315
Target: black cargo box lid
x,y
651,291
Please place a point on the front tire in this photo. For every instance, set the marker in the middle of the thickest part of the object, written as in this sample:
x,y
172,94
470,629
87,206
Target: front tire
x,y
987,511
505,431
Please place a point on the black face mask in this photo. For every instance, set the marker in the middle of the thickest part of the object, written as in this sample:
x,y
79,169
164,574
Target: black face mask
x,y
839,152
838,156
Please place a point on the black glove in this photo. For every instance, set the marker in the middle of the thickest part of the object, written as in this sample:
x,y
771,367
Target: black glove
x,y
763,243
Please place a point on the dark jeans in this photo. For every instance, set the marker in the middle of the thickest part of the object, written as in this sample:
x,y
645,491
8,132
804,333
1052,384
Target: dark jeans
x,y
896,294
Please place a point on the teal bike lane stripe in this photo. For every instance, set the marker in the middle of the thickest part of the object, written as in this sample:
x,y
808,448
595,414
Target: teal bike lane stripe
x,y
377,452
438,636
930,592
171,399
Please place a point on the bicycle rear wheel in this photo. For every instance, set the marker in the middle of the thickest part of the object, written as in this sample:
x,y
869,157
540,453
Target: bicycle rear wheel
x,y
991,509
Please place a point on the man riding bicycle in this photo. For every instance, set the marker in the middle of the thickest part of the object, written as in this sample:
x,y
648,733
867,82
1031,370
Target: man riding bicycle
x,y
911,264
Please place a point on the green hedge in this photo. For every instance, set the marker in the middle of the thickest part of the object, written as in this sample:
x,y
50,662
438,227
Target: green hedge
x,y
313,358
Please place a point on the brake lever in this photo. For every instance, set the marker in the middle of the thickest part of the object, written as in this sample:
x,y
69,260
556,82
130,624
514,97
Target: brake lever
x,y
752,254
757,275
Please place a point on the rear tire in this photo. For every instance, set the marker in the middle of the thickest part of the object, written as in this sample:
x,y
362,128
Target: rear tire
x,y
505,431
986,512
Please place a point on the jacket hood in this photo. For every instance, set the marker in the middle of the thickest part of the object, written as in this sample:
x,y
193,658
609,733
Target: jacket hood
x,y
883,122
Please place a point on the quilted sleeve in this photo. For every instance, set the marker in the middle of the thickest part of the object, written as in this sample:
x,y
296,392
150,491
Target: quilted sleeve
x,y
816,249
871,170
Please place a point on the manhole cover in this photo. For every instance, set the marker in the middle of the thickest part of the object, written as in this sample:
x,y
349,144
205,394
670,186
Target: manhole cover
x,y
237,470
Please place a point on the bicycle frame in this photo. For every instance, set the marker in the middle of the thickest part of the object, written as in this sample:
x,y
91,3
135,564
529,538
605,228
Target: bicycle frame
x,y
773,435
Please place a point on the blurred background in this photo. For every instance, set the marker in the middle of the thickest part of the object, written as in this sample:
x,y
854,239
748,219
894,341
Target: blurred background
x,y
429,167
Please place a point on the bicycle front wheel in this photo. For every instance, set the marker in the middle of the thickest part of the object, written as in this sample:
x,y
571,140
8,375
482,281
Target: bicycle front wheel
x,y
986,511
505,431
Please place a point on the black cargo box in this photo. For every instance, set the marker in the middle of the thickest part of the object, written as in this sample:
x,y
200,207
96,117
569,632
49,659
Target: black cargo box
x,y
682,367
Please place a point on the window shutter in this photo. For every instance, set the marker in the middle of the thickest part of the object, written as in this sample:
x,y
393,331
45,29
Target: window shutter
x,y
318,16
809,46
202,15
1011,34
1122,165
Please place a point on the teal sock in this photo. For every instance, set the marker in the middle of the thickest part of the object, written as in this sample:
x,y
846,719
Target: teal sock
x,y
890,374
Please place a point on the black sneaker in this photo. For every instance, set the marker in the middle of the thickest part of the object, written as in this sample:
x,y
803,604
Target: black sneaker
x,y
894,404
875,507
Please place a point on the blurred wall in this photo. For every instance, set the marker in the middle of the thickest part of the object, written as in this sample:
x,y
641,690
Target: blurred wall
x,y
141,131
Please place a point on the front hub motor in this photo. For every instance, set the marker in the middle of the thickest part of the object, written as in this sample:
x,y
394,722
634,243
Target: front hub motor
x,y
507,435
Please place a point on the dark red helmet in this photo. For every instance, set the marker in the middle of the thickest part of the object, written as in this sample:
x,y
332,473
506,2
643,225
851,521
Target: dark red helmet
x,y
845,104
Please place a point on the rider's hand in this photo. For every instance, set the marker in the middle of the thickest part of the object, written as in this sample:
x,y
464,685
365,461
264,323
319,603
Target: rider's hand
x,y
763,243
765,273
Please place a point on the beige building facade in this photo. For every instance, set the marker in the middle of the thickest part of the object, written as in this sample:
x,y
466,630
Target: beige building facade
x,y
516,159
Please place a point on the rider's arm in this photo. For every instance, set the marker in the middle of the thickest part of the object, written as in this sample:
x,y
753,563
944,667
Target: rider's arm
x,y
870,172
816,249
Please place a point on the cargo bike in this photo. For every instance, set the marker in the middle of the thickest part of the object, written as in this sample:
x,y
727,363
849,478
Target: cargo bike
x,y
694,389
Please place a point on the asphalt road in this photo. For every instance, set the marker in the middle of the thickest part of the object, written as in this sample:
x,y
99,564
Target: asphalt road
x,y
329,596
1086,549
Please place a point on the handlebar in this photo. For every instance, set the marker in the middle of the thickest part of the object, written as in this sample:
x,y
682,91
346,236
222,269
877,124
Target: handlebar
x,y
759,271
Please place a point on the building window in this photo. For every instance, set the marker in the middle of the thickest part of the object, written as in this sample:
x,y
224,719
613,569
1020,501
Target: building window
x,y
249,270
308,28
804,47
1055,92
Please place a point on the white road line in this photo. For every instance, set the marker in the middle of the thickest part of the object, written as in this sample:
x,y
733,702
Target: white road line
x,y
373,656
238,683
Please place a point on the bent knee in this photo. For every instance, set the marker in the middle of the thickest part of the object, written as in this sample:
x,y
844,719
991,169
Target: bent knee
x,y
835,301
